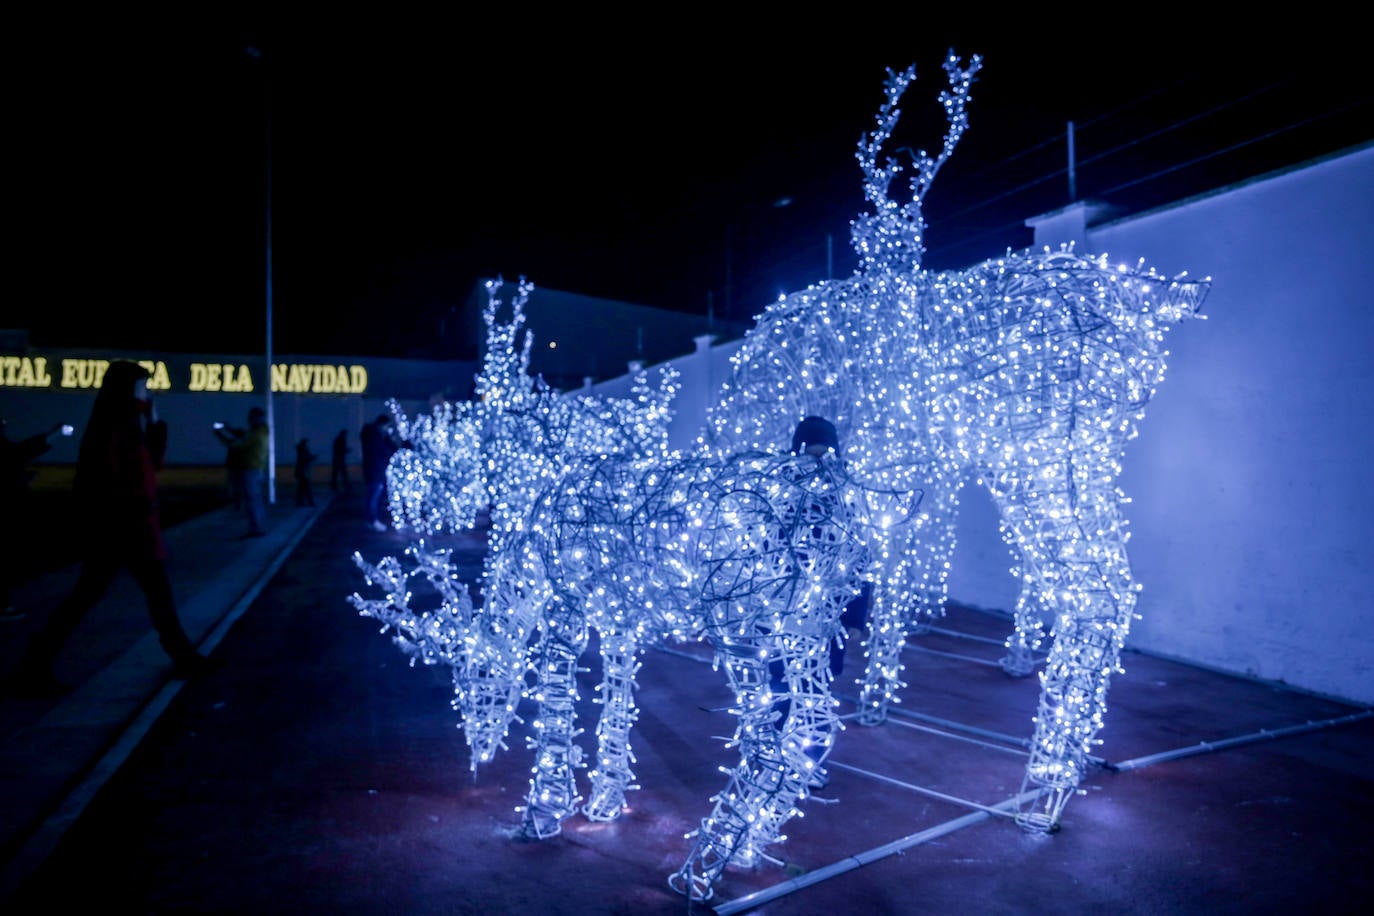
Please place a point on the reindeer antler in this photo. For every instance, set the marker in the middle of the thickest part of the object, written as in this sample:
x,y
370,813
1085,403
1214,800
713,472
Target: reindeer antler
x,y
876,177
893,236
955,102
505,372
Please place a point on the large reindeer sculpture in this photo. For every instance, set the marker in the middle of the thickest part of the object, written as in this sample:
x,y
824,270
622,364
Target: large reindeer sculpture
x,y
756,553
1027,373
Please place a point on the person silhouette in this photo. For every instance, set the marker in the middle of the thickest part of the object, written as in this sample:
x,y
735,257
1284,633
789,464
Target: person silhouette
x,y
248,451
378,446
305,492
816,436
338,470
115,487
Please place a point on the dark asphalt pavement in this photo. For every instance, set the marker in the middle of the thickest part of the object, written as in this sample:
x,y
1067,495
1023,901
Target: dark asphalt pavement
x,y
318,772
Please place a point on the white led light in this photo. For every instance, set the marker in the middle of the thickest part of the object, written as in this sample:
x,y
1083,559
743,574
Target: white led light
x,y
1027,373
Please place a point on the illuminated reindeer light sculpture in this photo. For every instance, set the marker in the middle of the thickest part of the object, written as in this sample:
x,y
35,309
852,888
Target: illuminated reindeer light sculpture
x,y
1028,374
758,553
491,455
494,453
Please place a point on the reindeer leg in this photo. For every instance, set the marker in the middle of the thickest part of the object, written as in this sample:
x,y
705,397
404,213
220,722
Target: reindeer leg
x,y
912,587
727,836
1028,517
882,679
553,788
777,764
808,733
1081,565
611,776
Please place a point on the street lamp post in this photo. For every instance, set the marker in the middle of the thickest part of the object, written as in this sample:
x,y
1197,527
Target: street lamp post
x,y
776,204
256,54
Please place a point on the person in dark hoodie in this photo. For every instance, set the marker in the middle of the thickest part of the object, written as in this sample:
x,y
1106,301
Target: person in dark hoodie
x,y
378,446
115,489
305,459
816,436
338,467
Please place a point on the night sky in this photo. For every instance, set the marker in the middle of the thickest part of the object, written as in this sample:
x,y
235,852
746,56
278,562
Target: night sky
x,y
625,158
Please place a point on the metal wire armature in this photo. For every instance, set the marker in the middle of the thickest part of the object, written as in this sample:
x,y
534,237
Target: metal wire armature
x,y
1026,374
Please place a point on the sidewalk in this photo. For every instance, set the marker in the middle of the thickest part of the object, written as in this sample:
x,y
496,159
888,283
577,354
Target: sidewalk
x,y
58,751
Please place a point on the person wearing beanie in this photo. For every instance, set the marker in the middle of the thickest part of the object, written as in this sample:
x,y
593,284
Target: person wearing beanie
x,y
815,436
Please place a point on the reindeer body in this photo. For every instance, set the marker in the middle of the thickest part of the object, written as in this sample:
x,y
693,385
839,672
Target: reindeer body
x,y
1026,373
758,554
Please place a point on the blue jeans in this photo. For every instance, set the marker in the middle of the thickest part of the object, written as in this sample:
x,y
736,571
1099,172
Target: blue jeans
x,y
255,500
376,499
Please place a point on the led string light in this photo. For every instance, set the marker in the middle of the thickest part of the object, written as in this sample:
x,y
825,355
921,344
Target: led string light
x,y
1027,374
756,553
490,457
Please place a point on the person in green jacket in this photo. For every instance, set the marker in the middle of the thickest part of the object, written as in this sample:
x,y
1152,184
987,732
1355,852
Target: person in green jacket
x,y
249,459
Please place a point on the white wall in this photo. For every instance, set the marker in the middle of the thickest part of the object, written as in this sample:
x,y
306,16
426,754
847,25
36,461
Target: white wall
x,y
1251,478
1250,481
701,374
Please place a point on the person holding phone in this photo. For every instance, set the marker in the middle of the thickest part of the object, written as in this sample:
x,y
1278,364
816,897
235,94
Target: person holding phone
x,y
246,463
122,450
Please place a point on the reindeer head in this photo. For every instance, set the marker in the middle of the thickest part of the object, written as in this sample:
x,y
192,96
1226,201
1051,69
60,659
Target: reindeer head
x,y
891,239
490,679
439,483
